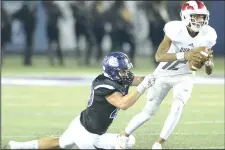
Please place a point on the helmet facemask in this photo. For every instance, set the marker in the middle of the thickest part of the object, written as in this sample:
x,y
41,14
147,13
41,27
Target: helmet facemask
x,y
197,21
126,76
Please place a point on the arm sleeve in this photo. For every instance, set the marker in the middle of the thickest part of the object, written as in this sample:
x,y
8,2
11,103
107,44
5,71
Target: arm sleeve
x,y
171,29
168,30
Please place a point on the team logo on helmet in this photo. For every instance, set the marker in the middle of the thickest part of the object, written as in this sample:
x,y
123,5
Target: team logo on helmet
x,y
112,61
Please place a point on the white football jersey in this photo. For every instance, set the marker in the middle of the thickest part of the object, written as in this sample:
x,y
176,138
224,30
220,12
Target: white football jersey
x,y
181,42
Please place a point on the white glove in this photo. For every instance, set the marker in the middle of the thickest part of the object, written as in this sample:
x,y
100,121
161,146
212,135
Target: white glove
x,y
209,63
148,81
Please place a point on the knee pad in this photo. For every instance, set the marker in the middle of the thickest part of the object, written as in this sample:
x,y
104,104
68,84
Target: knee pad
x,y
131,142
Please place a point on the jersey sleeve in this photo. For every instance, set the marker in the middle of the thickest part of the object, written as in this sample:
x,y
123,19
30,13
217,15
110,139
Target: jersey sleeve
x,y
104,90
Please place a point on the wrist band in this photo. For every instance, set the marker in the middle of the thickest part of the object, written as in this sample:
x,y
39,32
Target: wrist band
x,y
180,56
140,88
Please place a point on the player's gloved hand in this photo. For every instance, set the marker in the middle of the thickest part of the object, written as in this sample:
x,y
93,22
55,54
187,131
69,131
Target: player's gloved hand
x,y
148,81
193,56
209,61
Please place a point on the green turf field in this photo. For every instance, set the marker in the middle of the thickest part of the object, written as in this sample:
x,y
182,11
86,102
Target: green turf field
x,y
32,112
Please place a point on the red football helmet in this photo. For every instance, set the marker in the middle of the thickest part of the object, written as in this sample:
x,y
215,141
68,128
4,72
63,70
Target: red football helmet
x,y
190,12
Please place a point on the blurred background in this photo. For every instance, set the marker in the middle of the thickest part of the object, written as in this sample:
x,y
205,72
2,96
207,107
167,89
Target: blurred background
x,y
52,50
71,33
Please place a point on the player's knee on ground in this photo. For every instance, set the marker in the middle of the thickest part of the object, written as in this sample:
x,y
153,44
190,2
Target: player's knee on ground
x,y
131,141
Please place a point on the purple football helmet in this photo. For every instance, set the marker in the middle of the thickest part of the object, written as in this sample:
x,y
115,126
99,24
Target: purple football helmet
x,y
114,64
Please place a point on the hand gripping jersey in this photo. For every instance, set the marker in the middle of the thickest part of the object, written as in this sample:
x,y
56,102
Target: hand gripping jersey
x,y
99,114
182,42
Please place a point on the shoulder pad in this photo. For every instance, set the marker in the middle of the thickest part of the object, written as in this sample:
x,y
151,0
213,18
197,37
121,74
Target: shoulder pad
x,y
173,28
105,86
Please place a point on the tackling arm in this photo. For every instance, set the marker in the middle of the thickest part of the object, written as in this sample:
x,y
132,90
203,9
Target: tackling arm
x,y
137,81
124,102
133,80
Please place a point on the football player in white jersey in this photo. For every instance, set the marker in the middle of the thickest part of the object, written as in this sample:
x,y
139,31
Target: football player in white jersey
x,y
181,38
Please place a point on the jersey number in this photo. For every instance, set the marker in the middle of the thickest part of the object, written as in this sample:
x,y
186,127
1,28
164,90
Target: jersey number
x,y
174,64
91,98
114,113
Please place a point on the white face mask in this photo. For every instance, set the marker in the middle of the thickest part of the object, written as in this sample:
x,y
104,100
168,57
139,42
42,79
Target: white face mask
x,y
198,21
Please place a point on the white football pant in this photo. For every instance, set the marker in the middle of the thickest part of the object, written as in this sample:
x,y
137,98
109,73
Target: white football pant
x,y
77,135
182,88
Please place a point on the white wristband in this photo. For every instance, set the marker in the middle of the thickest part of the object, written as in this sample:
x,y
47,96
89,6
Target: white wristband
x,y
180,56
140,88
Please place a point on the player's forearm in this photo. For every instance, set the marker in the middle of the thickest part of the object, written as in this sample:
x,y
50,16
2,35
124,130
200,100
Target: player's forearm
x,y
129,99
166,57
137,81
162,54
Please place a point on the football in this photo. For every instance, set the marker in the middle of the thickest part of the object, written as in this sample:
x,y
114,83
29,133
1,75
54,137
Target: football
x,y
194,66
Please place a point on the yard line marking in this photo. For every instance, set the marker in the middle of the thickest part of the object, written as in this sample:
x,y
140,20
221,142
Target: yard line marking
x,y
205,122
84,81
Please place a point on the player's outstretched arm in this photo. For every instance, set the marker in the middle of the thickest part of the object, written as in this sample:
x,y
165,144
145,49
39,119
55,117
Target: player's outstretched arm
x,y
137,80
124,102
209,65
132,80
